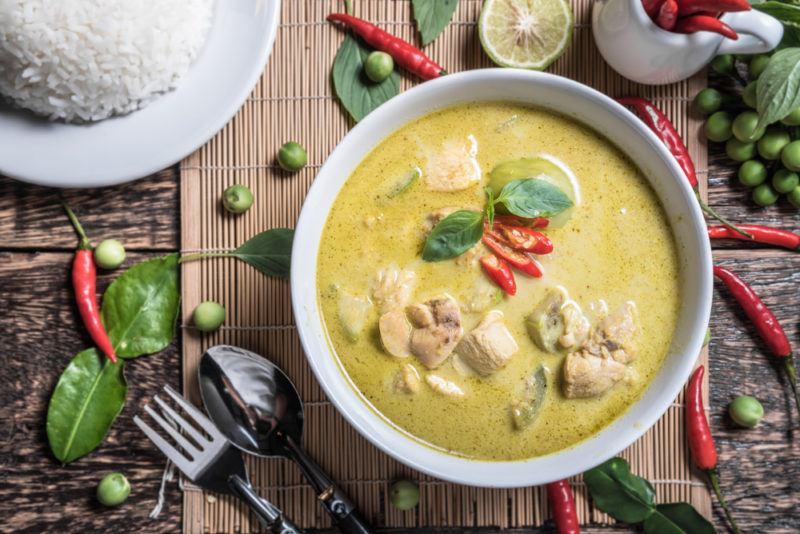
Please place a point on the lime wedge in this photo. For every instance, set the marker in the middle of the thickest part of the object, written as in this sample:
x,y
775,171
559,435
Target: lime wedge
x,y
525,34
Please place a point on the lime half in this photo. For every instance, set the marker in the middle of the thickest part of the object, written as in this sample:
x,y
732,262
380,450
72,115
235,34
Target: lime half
x,y
525,34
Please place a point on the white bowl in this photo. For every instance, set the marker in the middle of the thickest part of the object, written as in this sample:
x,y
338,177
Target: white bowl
x,y
622,128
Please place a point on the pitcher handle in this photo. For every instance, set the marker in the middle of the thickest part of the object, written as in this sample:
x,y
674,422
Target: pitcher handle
x,y
758,33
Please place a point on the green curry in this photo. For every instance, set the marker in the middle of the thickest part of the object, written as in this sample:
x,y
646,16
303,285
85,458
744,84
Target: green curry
x,y
613,250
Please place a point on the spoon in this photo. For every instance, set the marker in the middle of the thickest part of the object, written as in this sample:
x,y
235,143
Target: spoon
x,y
257,408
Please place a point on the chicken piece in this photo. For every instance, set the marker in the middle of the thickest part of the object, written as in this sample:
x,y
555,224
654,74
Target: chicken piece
x,y
489,346
454,167
590,375
576,326
444,387
407,380
437,330
395,333
437,216
392,288
616,333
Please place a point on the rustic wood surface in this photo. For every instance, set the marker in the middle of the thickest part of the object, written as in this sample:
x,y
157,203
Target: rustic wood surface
x,y
40,331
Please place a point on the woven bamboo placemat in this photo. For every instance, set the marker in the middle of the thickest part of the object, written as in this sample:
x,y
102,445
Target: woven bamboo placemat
x,y
294,101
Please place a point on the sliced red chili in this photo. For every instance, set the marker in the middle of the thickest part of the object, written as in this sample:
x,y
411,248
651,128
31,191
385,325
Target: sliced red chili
x,y
518,260
500,272
524,238
667,14
513,220
651,7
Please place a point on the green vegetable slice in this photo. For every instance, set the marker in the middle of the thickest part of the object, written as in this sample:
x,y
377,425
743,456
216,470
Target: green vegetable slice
x,y
88,397
405,183
140,307
525,411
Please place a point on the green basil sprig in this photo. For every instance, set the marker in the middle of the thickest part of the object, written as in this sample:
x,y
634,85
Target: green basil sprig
x,y
432,17
631,499
778,87
532,197
88,397
454,235
269,251
140,307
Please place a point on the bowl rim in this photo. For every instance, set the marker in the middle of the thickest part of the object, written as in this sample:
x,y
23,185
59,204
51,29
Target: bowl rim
x,y
384,434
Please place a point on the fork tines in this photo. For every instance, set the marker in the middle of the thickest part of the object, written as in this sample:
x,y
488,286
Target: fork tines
x,y
198,452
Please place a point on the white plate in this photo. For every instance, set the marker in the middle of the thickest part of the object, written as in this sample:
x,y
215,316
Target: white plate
x,y
125,148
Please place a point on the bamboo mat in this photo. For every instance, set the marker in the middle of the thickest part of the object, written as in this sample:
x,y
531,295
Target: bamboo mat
x,y
294,101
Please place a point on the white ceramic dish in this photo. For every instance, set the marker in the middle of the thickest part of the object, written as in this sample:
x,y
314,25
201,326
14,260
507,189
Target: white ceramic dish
x,y
125,148
624,130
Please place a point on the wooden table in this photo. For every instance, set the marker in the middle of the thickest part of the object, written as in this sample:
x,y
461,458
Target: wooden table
x,y
40,332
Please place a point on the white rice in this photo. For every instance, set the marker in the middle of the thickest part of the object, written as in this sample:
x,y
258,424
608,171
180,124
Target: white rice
x,y
86,60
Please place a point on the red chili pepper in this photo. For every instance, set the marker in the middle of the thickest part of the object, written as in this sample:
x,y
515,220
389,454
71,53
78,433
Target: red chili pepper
x,y
701,442
500,272
689,7
84,282
651,7
562,505
761,234
519,261
667,15
704,23
513,220
406,55
663,128
523,238
765,322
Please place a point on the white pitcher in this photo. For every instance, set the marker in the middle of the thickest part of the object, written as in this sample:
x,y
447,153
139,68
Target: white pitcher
x,y
639,50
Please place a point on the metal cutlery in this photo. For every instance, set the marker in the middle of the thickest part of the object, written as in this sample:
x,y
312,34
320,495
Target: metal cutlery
x,y
208,460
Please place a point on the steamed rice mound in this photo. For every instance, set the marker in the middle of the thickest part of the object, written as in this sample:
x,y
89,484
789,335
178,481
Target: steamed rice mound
x,y
86,60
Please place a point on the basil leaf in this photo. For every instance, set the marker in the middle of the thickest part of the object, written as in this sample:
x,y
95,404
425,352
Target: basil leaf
x,y
787,13
357,93
270,252
88,397
778,89
533,198
620,493
677,518
140,307
432,17
488,210
454,235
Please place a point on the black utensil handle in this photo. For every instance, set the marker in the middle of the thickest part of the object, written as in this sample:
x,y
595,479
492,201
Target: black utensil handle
x,y
332,497
269,515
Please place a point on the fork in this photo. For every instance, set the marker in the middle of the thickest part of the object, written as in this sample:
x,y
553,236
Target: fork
x,y
212,463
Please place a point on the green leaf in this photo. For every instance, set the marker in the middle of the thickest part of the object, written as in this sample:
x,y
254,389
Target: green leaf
x,y
270,252
88,397
677,518
357,93
454,235
778,89
140,307
432,17
620,493
533,198
787,13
